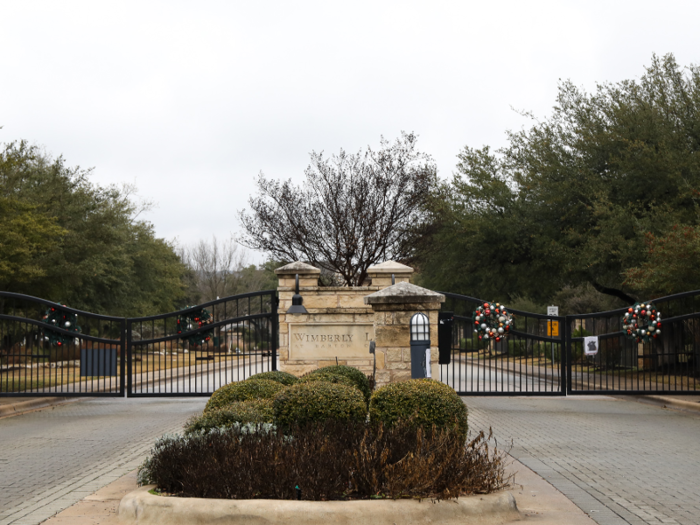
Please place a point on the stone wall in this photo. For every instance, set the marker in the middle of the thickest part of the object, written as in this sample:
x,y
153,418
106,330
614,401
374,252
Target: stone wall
x,y
393,309
338,325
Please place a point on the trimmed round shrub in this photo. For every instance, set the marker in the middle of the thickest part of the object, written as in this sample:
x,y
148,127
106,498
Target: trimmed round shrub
x,y
329,378
253,411
277,376
243,391
360,379
424,402
317,402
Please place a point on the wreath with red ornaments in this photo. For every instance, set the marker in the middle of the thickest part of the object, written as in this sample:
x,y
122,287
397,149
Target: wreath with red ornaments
x,y
642,322
192,321
56,316
492,321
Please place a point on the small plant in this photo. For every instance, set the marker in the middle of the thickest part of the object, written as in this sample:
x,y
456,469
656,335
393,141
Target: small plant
x,y
318,402
284,378
422,402
360,379
243,391
240,412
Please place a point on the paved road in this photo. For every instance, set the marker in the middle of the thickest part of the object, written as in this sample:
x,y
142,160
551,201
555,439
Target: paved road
x,y
52,458
468,375
205,378
621,462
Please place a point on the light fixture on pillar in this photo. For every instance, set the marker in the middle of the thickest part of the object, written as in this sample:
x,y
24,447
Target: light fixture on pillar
x,y
297,308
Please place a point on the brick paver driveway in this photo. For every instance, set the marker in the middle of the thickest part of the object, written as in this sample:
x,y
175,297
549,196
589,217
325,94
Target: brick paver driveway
x,y
619,461
53,458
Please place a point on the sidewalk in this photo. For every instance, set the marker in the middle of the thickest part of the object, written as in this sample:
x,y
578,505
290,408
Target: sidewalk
x,y
14,406
539,502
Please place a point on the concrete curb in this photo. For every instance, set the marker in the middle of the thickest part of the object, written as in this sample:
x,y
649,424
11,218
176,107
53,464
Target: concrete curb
x,y
20,407
669,402
142,508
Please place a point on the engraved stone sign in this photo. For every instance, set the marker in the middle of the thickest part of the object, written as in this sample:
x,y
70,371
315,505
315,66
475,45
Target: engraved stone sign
x,y
329,340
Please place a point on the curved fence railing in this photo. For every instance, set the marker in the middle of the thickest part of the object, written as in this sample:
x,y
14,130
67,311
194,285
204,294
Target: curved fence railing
x,y
667,364
544,355
49,349
199,349
527,362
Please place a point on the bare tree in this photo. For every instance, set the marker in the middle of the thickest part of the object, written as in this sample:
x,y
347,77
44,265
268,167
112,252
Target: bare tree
x,y
218,269
353,211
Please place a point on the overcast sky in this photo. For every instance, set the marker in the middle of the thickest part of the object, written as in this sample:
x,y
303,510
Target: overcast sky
x,y
191,100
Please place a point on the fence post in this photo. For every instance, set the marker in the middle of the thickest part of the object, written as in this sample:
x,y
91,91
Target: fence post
x,y
122,359
129,360
565,355
566,371
274,300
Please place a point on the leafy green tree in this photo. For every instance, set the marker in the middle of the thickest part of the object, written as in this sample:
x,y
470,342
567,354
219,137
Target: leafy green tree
x,y
26,238
572,199
670,265
82,243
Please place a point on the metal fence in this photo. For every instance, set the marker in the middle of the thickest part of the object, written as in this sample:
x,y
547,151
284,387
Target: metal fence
x,y
544,355
227,340
669,364
49,349
528,362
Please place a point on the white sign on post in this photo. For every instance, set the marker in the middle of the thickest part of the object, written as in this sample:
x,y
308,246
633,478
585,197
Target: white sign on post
x,y
553,310
590,345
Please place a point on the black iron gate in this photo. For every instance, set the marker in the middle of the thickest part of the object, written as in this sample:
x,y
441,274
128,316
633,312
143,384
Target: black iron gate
x,y
530,361
669,364
544,355
48,349
195,351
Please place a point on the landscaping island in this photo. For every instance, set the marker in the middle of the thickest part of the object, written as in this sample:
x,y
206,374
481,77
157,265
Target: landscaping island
x,y
324,448
142,508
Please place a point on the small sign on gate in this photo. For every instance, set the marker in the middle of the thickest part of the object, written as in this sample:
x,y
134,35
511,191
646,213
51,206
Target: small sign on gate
x,y
553,328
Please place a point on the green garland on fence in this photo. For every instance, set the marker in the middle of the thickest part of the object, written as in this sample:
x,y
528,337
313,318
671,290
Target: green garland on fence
x,y
492,321
192,321
55,316
642,322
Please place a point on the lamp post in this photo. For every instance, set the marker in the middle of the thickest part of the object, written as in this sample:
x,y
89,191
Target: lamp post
x,y
297,307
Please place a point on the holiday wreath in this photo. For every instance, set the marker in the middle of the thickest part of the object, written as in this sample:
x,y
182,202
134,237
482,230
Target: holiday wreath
x,y
642,322
55,316
192,321
492,321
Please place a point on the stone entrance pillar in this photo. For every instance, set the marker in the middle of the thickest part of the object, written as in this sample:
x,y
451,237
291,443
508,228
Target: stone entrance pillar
x,y
338,325
393,308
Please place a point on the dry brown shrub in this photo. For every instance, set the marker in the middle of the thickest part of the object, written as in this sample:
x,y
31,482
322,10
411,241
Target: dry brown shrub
x,y
327,462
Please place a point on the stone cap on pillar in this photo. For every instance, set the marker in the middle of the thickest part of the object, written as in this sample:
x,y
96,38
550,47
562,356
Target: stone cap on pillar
x,y
381,273
298,267
402,293
308,275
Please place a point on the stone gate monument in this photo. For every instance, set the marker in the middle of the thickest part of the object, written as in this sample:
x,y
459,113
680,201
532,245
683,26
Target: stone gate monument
x,y
341,321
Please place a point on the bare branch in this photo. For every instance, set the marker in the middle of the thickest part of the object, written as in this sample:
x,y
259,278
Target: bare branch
x,y
353,210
